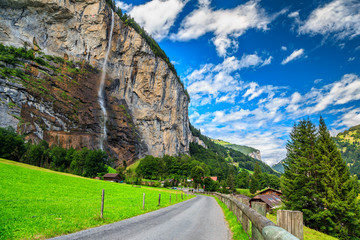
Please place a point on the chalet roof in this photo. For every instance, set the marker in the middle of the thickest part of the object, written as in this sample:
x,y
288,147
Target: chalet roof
x,y
111,175
214,178
241,196
269,199
270,189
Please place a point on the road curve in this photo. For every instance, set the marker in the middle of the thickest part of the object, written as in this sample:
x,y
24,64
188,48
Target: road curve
x,y
198,218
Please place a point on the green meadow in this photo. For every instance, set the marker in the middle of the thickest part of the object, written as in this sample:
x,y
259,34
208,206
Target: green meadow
x,y
37,203
309,234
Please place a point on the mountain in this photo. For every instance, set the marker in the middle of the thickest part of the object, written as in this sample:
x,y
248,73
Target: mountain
x,y
54,56
348,143
252,152
279,167
211,149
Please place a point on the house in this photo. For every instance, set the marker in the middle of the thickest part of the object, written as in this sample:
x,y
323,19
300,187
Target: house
x,y
112,177
270,191
214,178
272,201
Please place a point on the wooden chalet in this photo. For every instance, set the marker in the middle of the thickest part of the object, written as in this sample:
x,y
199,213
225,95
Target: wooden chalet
x,y
270,191
112,177
272,201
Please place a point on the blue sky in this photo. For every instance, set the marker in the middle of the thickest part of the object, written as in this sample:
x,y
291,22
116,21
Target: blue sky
x,y
254,68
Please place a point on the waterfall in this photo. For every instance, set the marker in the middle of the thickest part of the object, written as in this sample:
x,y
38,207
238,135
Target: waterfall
x,y
101,88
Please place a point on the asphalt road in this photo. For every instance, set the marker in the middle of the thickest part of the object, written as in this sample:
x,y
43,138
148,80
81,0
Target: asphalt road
x,y
198,218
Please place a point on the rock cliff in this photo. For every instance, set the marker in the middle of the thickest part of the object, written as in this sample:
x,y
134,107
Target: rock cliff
x,y
146,104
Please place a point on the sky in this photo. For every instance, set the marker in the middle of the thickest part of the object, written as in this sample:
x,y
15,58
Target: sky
x,y
254,68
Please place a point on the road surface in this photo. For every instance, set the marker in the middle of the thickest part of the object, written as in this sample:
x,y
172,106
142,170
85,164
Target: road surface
x,y
198,218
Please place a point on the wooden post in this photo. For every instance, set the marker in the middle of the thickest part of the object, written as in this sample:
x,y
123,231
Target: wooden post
x,y
291,221
102,204
261,209
182,198
143,201
244,218
159,199
176,196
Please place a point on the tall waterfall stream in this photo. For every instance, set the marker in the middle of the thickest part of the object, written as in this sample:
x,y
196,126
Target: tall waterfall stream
x,y
101,92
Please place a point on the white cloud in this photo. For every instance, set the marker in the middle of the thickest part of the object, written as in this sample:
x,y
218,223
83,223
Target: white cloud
x,y
283,48
337,93
157,16
124,6
293,56
350,118
340,18
316,81
293,14
219,81
267,61
351,59
225,24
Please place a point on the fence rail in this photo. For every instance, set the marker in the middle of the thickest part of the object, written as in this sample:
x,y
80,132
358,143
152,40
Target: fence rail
x,y
267,230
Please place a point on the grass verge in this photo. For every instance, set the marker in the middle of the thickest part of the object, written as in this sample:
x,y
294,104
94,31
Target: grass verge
x,y
37,203
238,232
309,234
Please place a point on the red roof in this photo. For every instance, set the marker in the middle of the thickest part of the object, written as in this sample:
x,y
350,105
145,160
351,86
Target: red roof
x,y
214,178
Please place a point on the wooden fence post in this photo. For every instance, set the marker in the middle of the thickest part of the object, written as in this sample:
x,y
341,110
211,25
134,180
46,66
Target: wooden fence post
x,y
291,221
102,204
170,199
159,199
176,196
182,198
261,209
143,201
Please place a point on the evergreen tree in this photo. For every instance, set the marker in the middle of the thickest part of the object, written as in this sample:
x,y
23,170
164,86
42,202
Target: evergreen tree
x,y
300,181
256,179
341,213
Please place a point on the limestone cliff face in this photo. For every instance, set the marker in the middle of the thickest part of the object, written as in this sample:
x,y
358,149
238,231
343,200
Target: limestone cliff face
x,y
139,85
256,155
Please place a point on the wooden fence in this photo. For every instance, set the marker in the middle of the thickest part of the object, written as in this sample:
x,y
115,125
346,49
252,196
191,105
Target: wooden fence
x,y
262,228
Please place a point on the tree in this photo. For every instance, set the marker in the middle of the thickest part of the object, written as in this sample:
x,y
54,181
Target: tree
x,y
256,179
300,182
339,191
150,167
12,146
243,179
197,173
317,181
230,182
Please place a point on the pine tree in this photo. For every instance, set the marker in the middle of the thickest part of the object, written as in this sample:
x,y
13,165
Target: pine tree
x,y
255,179
341,213
300,182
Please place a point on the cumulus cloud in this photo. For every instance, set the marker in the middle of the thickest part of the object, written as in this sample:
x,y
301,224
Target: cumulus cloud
x,y
341,18
225,24
156,16
350,118
283,48
337,93
293,56
220,82
124,6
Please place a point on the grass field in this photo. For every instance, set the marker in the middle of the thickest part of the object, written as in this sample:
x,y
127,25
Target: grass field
x,y
309,234
134,165
37,203
245,192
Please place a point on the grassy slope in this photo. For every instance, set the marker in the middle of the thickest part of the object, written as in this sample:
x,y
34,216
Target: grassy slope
x,y
244,149
238,232
134,165
38,203
309,234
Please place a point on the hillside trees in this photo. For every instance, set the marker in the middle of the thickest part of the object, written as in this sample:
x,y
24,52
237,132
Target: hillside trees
x,y
317,182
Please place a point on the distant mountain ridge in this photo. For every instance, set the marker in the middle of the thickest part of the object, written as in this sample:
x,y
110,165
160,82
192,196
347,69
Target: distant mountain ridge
x,y
249,151
348,142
